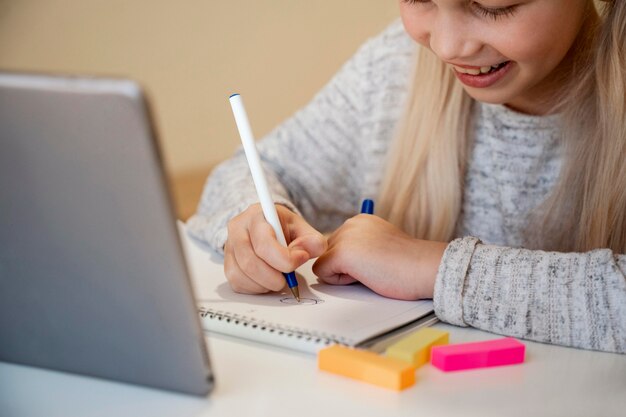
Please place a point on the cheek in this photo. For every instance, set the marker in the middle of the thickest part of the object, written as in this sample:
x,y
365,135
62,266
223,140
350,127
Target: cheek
x,y
538,42
414,24
530,53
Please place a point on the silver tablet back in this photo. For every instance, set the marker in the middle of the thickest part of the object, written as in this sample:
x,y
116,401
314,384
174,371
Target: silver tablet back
x,y
92,275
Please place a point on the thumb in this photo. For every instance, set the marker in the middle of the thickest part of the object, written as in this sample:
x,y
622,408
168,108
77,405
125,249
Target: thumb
x,y
307,238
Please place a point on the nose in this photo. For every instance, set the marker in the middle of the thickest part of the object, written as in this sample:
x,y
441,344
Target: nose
x,y
451,39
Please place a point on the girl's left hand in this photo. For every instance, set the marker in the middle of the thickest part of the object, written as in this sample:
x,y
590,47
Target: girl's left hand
x,y
374,252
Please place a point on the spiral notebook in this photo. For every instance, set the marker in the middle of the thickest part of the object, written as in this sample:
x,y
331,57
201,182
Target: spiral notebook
x,y
351,315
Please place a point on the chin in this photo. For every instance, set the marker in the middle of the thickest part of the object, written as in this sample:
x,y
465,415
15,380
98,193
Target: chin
x,y
490,97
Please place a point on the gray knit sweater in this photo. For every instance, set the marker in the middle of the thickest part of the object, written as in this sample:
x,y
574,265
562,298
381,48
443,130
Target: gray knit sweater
x,y
329,156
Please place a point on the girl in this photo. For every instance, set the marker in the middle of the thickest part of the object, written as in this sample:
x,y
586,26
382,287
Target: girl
x,y
495,149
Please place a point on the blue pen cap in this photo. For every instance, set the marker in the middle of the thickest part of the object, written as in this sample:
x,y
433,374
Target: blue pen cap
x,y
368,206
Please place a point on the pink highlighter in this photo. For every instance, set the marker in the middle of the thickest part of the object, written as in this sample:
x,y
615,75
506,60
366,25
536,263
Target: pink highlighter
x,y
507,351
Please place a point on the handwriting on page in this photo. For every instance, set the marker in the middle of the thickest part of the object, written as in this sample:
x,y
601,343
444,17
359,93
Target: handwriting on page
x,y
303,301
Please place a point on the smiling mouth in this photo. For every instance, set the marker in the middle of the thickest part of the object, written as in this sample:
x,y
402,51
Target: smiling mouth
x,y
482,77
480,70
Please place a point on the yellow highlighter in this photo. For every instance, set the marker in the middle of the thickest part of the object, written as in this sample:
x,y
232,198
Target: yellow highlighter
x,y
415,348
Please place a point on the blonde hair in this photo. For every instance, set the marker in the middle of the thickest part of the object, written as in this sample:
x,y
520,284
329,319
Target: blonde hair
x,y
422,188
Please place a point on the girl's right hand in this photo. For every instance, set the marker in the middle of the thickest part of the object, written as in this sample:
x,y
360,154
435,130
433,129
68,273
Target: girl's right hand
x,y
253,258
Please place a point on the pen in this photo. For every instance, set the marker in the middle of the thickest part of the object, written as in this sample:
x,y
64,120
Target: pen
x,y
367,207
260,183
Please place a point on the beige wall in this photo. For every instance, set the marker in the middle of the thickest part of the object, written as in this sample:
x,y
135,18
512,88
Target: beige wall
x,y
191,54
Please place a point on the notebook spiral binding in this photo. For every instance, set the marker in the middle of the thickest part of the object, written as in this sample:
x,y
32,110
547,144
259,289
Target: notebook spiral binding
x,y
262,331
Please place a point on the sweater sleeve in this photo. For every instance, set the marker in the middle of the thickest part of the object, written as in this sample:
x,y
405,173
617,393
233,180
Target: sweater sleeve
x,y
311,161
570,299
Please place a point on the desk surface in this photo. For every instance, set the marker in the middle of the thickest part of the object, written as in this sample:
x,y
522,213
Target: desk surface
x,y
258,380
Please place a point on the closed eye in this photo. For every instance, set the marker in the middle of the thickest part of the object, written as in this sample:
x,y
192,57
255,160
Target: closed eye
x,y
494,13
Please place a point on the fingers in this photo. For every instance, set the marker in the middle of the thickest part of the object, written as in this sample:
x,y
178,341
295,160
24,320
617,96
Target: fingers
x,y
247,273
253,257
238,281
342,262
266,247
256,268
328,268
304,236
304,242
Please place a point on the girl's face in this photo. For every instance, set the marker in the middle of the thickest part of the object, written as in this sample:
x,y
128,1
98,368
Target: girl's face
x,y
509,52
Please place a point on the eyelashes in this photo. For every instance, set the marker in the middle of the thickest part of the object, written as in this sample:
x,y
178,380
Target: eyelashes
x,y
488,12
497,13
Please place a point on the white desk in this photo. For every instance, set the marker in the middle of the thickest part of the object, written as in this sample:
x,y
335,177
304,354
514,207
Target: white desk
x,y
259,380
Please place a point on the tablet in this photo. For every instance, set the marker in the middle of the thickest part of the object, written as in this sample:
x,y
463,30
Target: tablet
x,y
92,274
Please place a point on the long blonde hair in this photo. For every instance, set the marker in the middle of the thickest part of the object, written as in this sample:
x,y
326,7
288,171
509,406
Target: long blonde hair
x,y
422,188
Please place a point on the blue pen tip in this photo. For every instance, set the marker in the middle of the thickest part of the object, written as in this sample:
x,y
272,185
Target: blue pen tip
x,y
233,95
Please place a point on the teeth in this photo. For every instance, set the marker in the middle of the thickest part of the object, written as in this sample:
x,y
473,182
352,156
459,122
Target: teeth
x,y
476,71
471,71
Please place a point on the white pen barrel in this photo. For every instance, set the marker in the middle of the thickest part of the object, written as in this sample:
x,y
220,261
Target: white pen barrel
x,y
254,161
